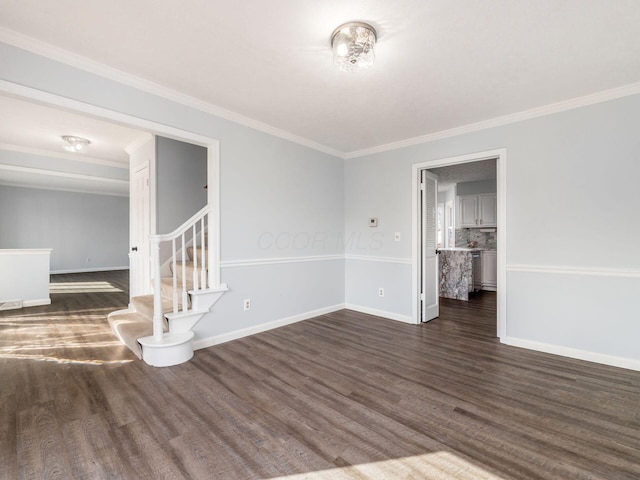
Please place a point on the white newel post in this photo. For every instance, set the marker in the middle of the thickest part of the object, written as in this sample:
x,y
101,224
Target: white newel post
x,y
157,289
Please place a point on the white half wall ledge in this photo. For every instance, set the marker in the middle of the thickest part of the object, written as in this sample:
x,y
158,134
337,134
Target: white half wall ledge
x,y
574,353
26,276
263,327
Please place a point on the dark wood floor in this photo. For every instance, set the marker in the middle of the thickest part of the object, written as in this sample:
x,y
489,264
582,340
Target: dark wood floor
x,y
344,395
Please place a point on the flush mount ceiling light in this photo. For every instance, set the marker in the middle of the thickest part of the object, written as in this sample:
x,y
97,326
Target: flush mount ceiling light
x,y
353,46
74,144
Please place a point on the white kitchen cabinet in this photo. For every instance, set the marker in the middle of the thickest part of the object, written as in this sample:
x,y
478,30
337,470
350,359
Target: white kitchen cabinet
x,y
487,210
476,211
467,211
489,269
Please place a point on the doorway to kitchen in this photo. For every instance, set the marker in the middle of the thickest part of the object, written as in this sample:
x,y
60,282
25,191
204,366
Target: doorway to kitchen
x,y
460,212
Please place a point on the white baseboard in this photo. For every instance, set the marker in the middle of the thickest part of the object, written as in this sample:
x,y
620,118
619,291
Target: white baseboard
x,y
37,302
245,332
595,357
89,270
18,304
380,313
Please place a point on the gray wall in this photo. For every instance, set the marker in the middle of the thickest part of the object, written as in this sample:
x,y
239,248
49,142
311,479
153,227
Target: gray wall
x,y
476,188
571,183
181,174
449,194
281,206
77,226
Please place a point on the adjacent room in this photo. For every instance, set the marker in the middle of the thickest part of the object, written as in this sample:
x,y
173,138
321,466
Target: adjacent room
x,y
309,240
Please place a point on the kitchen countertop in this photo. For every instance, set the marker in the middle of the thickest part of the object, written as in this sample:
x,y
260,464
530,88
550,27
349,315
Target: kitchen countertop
x,y
465,249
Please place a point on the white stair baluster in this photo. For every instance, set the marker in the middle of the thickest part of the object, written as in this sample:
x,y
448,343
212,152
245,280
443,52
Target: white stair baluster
x,y
184,275
174,270
203,277
194,243
157,290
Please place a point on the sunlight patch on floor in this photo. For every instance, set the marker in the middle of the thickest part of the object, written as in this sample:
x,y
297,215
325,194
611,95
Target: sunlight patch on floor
x,y
83,287
98,314
47,337
43,358
429,466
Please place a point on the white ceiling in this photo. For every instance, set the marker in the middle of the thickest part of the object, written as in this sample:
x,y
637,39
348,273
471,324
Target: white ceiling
x,y
32,127
31,152
440,64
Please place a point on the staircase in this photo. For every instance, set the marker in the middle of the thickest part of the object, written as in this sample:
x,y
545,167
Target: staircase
x,y
158,327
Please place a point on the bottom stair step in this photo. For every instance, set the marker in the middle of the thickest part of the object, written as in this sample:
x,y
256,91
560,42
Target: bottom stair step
x,y
129,326
172,349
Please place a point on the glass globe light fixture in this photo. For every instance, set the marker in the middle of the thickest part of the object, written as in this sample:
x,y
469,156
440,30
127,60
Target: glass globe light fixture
x,y
74,144
353,46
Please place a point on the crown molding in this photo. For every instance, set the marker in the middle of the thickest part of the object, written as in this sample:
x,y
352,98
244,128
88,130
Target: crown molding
x,y
85,188
56,188
66,156
39,47
591,99
56,173
83,63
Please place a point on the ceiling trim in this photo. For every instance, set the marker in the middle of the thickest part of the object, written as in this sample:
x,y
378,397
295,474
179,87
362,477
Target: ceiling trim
x,y
83,63
75,176
66,156
625,91
55,173
51,99
63,189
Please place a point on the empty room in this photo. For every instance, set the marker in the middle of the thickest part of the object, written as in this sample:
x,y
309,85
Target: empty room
x,y
319,240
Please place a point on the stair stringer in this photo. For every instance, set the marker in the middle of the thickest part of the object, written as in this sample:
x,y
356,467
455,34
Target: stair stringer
x,y
201,303
176,346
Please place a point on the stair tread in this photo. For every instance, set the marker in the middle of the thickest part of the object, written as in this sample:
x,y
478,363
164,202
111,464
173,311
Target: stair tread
x,y
129,327
169,281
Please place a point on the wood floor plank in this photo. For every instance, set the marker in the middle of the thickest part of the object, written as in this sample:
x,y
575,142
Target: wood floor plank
x,y
341,396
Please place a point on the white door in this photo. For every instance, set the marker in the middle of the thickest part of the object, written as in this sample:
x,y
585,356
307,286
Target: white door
x,y
140,277
429,288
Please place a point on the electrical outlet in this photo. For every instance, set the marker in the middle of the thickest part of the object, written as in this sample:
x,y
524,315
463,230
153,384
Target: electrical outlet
x,y
396,237
381,292
247,304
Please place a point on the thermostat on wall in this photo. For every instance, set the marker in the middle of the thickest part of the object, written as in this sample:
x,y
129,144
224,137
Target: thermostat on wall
x,y
373,222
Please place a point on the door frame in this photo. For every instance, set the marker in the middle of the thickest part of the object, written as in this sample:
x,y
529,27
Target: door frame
x,y
500,155
211,144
